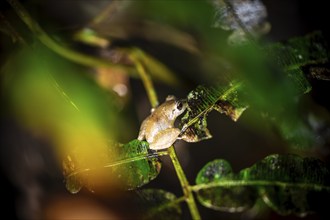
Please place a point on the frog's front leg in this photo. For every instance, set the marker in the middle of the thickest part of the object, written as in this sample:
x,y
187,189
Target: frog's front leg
x,y
164,139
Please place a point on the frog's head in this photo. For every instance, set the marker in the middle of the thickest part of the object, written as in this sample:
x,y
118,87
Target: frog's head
x,y
177,106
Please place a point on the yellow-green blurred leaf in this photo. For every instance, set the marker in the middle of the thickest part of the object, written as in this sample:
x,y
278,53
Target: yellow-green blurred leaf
x,y
132,167
62,103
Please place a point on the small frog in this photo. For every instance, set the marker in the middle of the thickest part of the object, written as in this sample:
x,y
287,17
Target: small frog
x,y
158,128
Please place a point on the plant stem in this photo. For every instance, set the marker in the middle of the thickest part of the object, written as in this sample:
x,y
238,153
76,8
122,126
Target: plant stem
x,y
184,184
233,183
57,48
152,95
147,82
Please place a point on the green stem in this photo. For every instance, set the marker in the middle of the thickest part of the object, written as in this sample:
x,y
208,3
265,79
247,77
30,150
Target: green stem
x,y
57,48
232,183
147,82
184,184
152,95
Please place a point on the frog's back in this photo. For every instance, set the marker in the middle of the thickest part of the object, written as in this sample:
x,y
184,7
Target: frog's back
x,y
152,126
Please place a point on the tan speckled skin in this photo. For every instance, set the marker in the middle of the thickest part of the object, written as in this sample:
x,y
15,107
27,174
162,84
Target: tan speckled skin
x,y
158,128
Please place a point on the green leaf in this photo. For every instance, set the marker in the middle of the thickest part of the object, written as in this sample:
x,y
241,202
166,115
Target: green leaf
x,y
144,166
76,116
202,101
294,181
300,51
159,204
224,198
288,184
275,77
302,56
132,167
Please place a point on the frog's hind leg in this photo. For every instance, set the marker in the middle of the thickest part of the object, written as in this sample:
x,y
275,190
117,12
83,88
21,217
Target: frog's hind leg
x,y
142,135
142,132
164,139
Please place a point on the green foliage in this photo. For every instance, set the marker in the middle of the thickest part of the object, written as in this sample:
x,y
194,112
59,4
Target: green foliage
x,y
202,101
175,12
159,204
287,183
224,198
301,59
132,167
35,78
276,76
300,51
144,166
297,55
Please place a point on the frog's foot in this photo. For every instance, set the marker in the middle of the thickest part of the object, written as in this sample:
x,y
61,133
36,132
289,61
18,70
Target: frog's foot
x,y
151,151
164,139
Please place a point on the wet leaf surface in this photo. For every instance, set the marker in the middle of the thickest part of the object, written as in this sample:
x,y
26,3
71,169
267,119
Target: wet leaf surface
x,y
223,198
288,184
202,101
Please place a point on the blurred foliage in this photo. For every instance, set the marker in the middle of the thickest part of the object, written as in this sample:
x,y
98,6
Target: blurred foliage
x,y
67,98
245,18
297,54
6,28
60,102
132,167
159,204
275,81
287,183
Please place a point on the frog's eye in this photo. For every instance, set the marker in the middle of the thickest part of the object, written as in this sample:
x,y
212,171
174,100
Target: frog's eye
x,y
179,106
